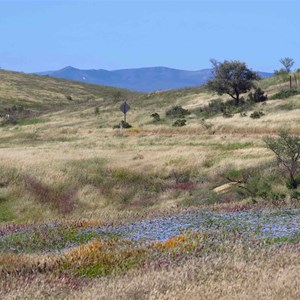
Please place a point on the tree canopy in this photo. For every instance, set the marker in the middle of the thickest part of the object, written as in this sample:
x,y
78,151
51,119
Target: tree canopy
x,y
232,78
287,62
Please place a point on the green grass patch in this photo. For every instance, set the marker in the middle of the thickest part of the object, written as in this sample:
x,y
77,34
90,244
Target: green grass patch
x,y
234,146
46,238
284,239
284,94
6,213
29,122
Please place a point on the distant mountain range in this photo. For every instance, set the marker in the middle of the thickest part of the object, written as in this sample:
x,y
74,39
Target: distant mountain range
x,y
141,79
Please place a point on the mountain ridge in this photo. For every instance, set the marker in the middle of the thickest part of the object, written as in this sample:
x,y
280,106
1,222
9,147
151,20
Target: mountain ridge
x,y
144,79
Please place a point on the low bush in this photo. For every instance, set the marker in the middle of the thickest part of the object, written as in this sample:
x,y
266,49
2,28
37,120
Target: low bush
x,y
257,96
257,114
295,195
177,111
226,108
122,124
156,117
96,110
179,123
257,182
290,185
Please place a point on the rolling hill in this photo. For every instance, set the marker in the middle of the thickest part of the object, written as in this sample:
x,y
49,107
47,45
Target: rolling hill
x,y
39,93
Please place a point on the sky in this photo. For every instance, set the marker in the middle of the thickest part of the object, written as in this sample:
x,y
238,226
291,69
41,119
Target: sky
x,y
45,35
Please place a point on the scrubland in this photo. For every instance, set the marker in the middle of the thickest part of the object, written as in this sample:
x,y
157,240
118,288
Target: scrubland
x,y
64,170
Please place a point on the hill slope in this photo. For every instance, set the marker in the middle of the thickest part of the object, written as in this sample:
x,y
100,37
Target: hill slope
x,y
40,93
141,79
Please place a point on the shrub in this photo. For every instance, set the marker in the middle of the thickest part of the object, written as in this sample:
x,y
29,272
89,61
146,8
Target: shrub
x,y
287,150
254,182
177,111
123,124
295,194
227,108
96,111
290,183
156,117
257,96
284,94
179,123
227,112
257,114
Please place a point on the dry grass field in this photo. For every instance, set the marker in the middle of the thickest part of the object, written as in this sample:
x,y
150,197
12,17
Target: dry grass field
x,y
62,163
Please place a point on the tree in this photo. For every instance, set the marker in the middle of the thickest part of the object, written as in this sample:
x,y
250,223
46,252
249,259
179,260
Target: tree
x,y
287,63
232,78
287,150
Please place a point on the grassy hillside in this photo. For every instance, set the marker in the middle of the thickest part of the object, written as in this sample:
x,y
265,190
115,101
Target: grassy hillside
x,y
53,152
41,93
67,178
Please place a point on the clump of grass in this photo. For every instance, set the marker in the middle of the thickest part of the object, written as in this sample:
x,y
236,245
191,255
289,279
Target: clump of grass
x,y
119,186
101,258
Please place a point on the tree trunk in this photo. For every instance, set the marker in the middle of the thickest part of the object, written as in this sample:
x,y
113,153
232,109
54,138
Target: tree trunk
x,y
293,181
237,99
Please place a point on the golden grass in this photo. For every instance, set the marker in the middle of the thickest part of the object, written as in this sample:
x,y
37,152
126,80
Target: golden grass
x,y
70,141
44,149
237,273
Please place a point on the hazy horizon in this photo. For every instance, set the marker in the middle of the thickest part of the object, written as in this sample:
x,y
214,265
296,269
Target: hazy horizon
x,y
112,35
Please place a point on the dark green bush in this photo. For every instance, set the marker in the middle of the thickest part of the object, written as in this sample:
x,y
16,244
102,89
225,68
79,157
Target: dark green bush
x,y
156,117
257,96
96,110
179,123
227,108
295,194
177,111
284,94
123,124
290,185
257,114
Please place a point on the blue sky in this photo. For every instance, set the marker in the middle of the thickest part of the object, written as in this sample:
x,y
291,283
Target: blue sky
x,y
48,35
